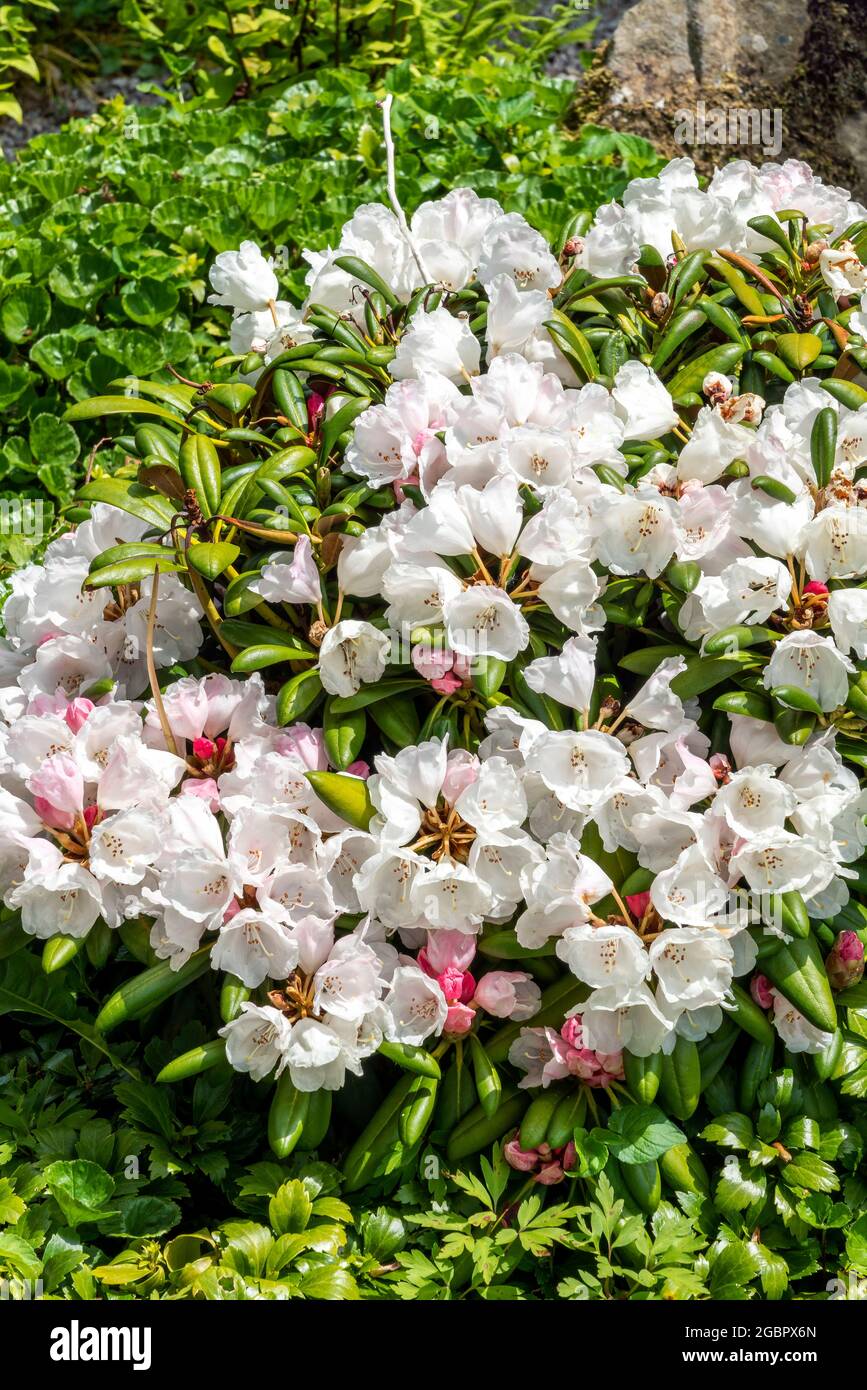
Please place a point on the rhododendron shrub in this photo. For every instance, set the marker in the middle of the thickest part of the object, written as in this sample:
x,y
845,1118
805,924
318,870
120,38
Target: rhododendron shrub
x,y
479,677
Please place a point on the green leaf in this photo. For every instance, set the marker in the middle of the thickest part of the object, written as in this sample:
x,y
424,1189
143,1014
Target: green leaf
x,y
641,1133
798,350
148,301
346,796
810,1171
80,1188
730,1131
290,1208
211,558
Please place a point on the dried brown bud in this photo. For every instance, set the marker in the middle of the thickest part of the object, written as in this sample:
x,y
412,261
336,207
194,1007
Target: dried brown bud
x,y
659,305
317,632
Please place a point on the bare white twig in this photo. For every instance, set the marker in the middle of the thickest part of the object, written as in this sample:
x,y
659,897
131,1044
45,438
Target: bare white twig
x,y
385,106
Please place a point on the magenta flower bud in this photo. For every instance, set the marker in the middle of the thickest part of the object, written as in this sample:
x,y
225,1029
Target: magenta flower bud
x,y
761,991
845,962
814,587
359,769
204,749
637,904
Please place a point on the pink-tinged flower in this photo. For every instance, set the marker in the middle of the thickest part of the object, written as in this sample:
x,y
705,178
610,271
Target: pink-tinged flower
x,y
814,587
459,1020
522,1160
845,961
203,787
637,904
305,744
462,770
508,994
77,711
400,483
359,769
58,791
446,949
761,991
432,663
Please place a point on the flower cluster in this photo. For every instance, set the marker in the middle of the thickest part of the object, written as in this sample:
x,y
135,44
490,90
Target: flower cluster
x,y
603,602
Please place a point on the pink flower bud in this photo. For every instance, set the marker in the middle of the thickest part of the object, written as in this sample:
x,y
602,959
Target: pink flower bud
x,y
522,1160
204,749
845,962
76,712
315,410
359,769
432,662
571,1031
453,983
814,587
459,1020
569,1157
761,991
91,816
720,767
447,684
637,904
549,1175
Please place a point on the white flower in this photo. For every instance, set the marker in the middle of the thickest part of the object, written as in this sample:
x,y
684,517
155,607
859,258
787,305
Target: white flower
x,y
254,948
437,341
780,862
835,543
638,532
398,440
415,1007
608,956
754,801
243,279
842,271
483,621
578,767
643,403
693,966
714,443
449,895
797,1034
290,580
352,653
847,612
813,664
655,705
568,677
611,1021
514,316
512,247
256,1040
